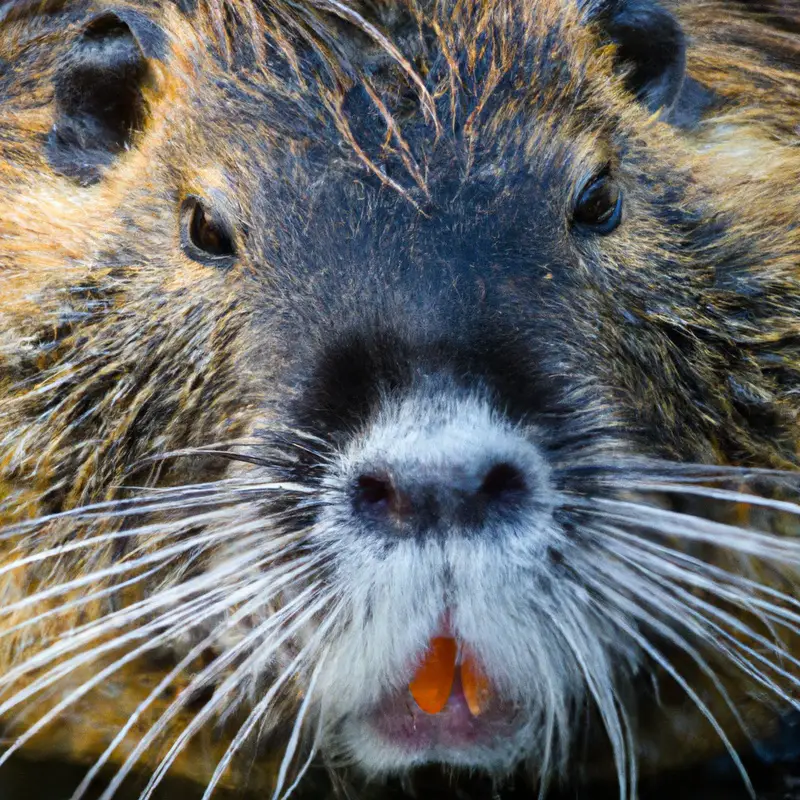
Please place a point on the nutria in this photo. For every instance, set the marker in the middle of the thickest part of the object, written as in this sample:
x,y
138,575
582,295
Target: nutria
x,y
399,384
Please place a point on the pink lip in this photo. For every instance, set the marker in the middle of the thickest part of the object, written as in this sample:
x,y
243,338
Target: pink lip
x,y
399,721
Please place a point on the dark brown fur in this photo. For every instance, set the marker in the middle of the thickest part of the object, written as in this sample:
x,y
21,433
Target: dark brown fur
x,y
106,360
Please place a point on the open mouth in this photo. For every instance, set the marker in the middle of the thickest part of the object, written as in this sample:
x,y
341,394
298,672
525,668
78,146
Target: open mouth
x,y
450,704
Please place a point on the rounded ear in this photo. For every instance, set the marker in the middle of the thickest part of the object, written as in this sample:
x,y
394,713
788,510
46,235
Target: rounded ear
x,y
651,48
99,93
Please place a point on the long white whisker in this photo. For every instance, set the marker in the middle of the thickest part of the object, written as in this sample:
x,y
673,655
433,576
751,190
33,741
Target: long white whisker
x,y
294,739
630,470
729,495
208,584
205,713
622,602
177,621
692,603
187,613
115,509
263,705
721,582
161,554
700,566
81,601
92,630
240,614
664,522
600,689
229,491
249,532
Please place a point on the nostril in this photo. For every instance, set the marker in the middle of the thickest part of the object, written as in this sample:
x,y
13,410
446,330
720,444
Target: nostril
x,y
426,501
375,492
503,481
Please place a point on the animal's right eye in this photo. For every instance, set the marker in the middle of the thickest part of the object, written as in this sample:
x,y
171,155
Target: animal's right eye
x,y
205,235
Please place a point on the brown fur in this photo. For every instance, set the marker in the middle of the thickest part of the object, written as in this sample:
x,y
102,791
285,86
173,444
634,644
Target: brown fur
x,y
102,367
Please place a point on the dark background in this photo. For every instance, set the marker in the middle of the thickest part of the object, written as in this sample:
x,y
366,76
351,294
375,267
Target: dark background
x,y
32,780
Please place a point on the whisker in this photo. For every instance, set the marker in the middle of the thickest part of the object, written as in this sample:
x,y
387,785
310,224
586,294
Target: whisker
x,y
80,636
633,468
663,559
207,673
200,543
600,690
164,500
294,739
723,577
555,718
258,461
313,750
672,523
690,600
229,684
187,613
729,495
81,601
178,620
158,528
156,500
199,680
263,705
622,602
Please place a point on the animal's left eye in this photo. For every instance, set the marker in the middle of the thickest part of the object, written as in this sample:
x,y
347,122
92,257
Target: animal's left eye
x,y
598,208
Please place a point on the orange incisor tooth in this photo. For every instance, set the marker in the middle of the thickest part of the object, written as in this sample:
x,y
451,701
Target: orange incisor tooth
x,y
431,685
476,686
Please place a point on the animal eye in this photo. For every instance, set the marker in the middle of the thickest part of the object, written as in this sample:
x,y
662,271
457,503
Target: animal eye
x,y
205,235
598,208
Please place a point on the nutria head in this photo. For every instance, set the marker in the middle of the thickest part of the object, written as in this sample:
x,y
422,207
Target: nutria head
x,y
433,340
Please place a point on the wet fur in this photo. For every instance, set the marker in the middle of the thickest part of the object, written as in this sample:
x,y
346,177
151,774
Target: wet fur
x,y
117,349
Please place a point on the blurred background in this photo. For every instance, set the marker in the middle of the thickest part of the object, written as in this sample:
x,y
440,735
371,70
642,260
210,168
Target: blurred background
x,y
30,780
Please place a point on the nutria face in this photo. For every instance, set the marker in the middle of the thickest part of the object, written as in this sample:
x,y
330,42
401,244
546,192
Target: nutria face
x,y
466,331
